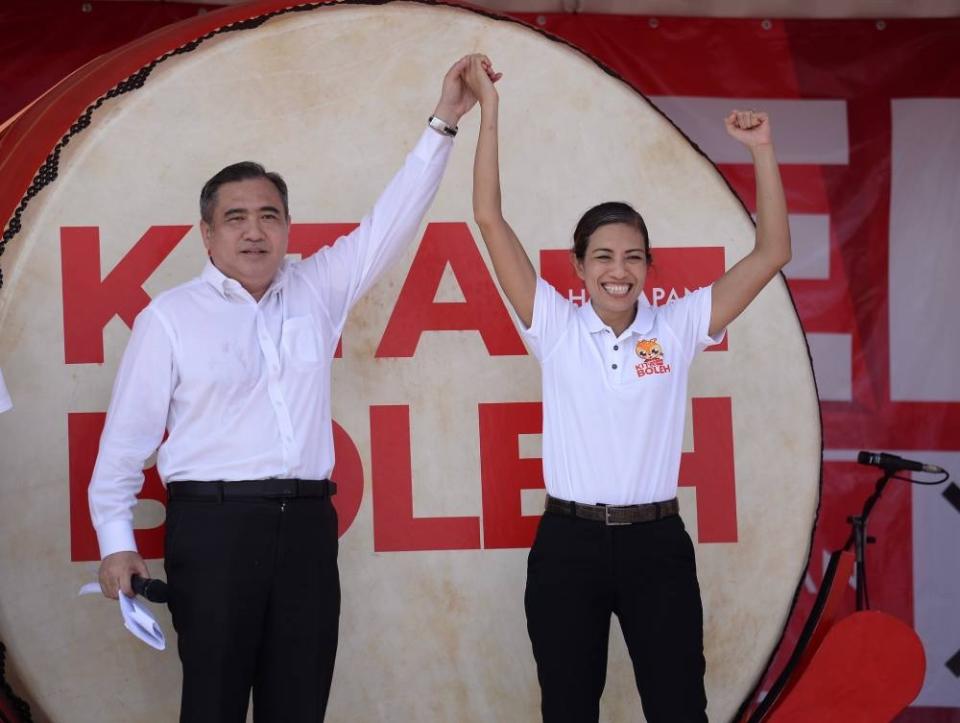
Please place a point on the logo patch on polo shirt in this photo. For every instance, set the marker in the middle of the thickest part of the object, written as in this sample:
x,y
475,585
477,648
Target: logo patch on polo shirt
x,y
651,358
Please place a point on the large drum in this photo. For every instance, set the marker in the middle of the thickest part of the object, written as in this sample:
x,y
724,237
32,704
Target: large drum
x,y
436,399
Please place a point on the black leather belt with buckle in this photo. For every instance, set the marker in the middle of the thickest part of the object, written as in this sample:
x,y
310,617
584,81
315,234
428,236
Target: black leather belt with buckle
x,y
614,514
262,488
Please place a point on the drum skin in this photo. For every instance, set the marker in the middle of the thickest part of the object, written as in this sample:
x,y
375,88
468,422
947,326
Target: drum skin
x,y
435,398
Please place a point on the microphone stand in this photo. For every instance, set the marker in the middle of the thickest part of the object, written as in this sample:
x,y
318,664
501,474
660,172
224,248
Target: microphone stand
x,y
859,539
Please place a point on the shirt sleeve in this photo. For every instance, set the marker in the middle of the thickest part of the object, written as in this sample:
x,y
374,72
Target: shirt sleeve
x,y
689,318
6,404
345,271
552,315
134,428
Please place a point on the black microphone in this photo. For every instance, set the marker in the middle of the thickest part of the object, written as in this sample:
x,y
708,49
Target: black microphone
x,y
152,590
893,463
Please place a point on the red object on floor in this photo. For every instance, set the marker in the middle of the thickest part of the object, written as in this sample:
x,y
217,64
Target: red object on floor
x,y
869,667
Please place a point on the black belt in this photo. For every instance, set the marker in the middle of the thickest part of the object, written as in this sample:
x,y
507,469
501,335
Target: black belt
x,y
262,488
614,514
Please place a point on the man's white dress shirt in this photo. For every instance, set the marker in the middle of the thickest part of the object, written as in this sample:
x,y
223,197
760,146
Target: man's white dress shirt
x,y
614,406
243,387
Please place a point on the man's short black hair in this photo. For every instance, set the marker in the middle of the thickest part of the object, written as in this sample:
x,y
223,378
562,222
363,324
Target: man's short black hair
x,y
239,172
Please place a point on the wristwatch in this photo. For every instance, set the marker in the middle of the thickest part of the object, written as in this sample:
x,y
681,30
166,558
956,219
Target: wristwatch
x,y
440,125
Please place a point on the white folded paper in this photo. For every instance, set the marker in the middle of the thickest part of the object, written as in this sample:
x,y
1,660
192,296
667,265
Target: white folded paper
x,y
136,618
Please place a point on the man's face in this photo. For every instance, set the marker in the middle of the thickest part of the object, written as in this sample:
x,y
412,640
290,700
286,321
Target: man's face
x,y
247,236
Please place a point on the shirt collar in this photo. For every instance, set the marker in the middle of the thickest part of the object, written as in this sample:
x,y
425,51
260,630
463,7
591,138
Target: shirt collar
x,y
225,286
642,322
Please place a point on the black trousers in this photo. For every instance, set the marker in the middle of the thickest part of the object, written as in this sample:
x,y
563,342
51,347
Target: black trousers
x,y
578,573
255,595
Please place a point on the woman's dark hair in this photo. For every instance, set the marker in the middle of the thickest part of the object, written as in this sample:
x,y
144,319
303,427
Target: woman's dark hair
x,y
602,215
242,171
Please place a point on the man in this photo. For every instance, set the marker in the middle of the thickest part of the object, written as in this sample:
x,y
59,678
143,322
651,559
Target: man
x,y
235,367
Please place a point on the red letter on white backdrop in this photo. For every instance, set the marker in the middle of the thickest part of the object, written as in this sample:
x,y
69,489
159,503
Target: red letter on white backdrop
x,y
308,238
709,468
83,439
503,473
416,311
348,474
89,303
395,529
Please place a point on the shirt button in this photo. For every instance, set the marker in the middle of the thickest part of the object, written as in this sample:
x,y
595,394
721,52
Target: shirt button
x,y
616,347
614,366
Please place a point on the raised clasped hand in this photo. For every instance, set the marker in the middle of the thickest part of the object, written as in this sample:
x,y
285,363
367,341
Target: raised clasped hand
x,y
459,94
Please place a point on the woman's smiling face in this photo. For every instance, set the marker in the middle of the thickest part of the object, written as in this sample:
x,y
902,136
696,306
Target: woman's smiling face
x,y
614,269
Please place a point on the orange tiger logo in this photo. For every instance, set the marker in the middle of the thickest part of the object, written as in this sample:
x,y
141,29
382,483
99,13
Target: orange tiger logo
x,y
649,349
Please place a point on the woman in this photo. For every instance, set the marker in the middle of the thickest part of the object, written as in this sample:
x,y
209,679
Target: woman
x,y
614,399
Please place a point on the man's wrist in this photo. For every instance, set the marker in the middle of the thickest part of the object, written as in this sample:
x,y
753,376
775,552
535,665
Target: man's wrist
x,y
447,114
441,126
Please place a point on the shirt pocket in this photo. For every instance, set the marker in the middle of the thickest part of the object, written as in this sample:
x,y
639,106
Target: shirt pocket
x,y
300,341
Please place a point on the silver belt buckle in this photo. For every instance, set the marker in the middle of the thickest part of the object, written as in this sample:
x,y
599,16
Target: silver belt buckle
x,y
606,517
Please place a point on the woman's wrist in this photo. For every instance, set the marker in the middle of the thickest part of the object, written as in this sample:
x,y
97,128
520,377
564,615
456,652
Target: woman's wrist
x,y
761,149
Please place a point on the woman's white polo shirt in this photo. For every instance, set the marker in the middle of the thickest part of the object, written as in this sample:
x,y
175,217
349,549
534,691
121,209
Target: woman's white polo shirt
x,y
614,407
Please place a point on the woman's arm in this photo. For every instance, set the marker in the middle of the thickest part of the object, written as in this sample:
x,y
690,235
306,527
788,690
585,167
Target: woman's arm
x,y
516,274
733,291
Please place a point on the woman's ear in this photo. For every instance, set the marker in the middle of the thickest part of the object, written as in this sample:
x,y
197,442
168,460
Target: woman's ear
x,y
577,265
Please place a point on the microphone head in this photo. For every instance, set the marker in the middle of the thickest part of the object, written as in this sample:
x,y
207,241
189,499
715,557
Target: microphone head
x,y
152,590
156,591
